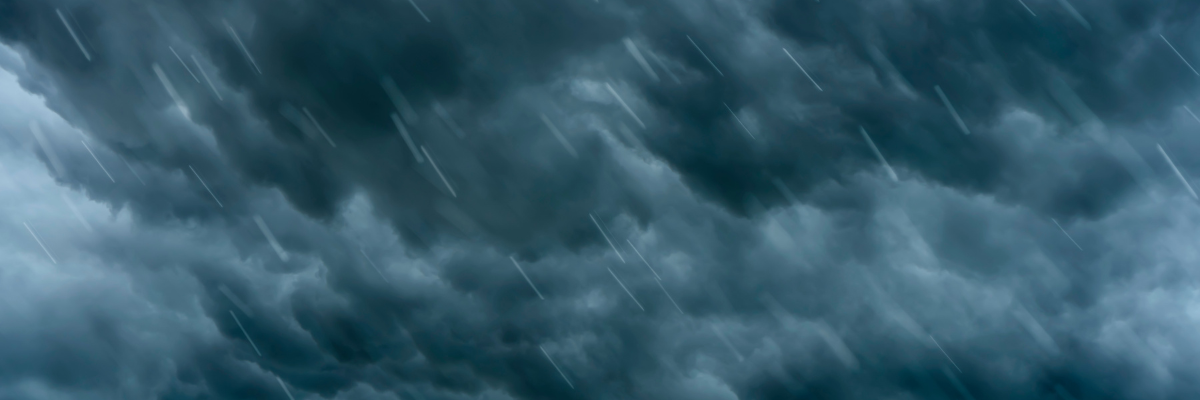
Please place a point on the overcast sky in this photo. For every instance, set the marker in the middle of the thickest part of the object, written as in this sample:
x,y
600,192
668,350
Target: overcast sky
x,y
579,199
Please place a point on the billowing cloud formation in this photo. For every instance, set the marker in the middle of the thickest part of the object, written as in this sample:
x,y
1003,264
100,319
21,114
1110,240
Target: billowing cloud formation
x,y
670,199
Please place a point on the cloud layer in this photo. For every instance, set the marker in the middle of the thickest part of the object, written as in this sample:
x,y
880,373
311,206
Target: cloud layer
x,y
672,199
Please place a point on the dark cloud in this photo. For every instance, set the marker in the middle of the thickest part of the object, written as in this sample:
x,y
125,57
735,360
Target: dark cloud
x,y
717,229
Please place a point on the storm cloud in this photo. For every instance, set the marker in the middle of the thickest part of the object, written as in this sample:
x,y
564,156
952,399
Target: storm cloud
x,y
666,199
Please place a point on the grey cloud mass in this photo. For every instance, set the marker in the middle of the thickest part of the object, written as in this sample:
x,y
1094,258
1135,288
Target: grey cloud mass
x,y
664,199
